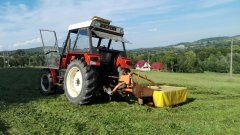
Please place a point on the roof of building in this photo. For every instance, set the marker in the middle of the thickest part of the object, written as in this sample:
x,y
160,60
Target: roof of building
x,y
157,65
140,63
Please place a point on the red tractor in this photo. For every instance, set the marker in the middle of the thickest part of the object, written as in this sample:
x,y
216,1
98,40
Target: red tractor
x,y
90,63
93,63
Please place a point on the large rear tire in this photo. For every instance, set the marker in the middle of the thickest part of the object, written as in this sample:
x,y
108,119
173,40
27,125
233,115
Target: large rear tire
x,y
46,83
80,82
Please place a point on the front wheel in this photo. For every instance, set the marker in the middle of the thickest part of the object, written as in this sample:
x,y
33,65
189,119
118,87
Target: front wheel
x,y
46,83
80,82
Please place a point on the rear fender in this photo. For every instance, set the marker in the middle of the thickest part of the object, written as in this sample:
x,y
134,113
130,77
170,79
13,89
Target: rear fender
x,y
64,63
123,62
92,59
54,76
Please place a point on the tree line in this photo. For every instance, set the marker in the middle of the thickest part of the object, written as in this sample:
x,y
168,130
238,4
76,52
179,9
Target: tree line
x,y
192,59
214,57
20,58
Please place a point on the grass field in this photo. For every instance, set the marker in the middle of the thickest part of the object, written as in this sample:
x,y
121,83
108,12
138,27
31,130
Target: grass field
x,y
213,108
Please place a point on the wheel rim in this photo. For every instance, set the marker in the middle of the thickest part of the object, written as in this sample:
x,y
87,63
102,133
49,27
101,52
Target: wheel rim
x,y
45,83
74,82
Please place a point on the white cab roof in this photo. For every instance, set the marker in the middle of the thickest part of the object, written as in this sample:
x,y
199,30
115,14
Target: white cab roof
x,y
80,25
88,23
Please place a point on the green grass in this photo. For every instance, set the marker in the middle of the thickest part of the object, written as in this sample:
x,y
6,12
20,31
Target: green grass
x,y
213,108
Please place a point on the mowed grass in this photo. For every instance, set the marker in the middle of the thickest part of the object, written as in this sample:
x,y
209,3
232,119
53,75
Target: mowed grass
x,y
213,107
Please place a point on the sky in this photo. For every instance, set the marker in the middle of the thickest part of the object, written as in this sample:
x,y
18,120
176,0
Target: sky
x,y
147,23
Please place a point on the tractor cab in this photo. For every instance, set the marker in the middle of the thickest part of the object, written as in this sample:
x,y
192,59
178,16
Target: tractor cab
x,y
97,37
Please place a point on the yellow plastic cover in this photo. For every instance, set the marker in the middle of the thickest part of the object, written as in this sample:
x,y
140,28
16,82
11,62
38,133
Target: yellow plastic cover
x,y
168,95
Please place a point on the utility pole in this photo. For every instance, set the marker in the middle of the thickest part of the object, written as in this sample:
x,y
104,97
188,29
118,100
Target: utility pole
x,y
3,60
7,59
148,61
231,59
148,57
29,62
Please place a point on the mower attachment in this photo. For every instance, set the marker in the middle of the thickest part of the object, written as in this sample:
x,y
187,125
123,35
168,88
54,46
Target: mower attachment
x,y
156,95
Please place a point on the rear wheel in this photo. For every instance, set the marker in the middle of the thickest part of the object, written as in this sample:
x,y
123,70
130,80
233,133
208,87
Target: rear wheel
x,y
80,82
46,82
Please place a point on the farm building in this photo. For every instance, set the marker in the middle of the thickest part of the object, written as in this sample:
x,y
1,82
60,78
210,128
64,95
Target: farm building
x,y
157,66
143,65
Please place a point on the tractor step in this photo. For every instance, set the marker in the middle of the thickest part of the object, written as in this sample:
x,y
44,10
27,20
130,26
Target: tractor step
x,y
59,84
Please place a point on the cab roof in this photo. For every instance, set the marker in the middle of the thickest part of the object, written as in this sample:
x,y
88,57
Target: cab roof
x,y
88,23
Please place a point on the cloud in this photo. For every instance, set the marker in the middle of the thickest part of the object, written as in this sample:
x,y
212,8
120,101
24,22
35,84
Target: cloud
x,y
26,43
23,7
153,29
214,3
201,15
21,21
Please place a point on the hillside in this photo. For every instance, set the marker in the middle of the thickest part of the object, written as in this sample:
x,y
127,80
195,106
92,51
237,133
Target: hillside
x,y
30,50
209,54
215,41
209,42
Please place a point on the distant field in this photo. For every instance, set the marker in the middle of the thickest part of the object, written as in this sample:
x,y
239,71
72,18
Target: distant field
x,y
213,108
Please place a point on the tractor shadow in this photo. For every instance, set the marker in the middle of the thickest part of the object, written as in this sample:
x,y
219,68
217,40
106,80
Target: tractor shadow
x,y
20,85
105,99
189,100
4,129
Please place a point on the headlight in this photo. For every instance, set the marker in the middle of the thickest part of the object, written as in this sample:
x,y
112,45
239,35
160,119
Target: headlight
x,y
121,30
94,60
97,24
118,30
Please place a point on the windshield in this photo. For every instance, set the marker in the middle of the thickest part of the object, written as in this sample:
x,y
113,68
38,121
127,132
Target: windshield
x,y
79,41
106,40
107,43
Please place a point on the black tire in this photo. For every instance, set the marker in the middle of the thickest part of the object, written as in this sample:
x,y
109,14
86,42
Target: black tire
x,y
46,83
83,85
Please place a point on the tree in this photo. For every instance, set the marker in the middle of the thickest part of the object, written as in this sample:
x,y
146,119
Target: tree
x,y
187,61
20,52
210,63
190,60
222,65
169,59
236,63
1,62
